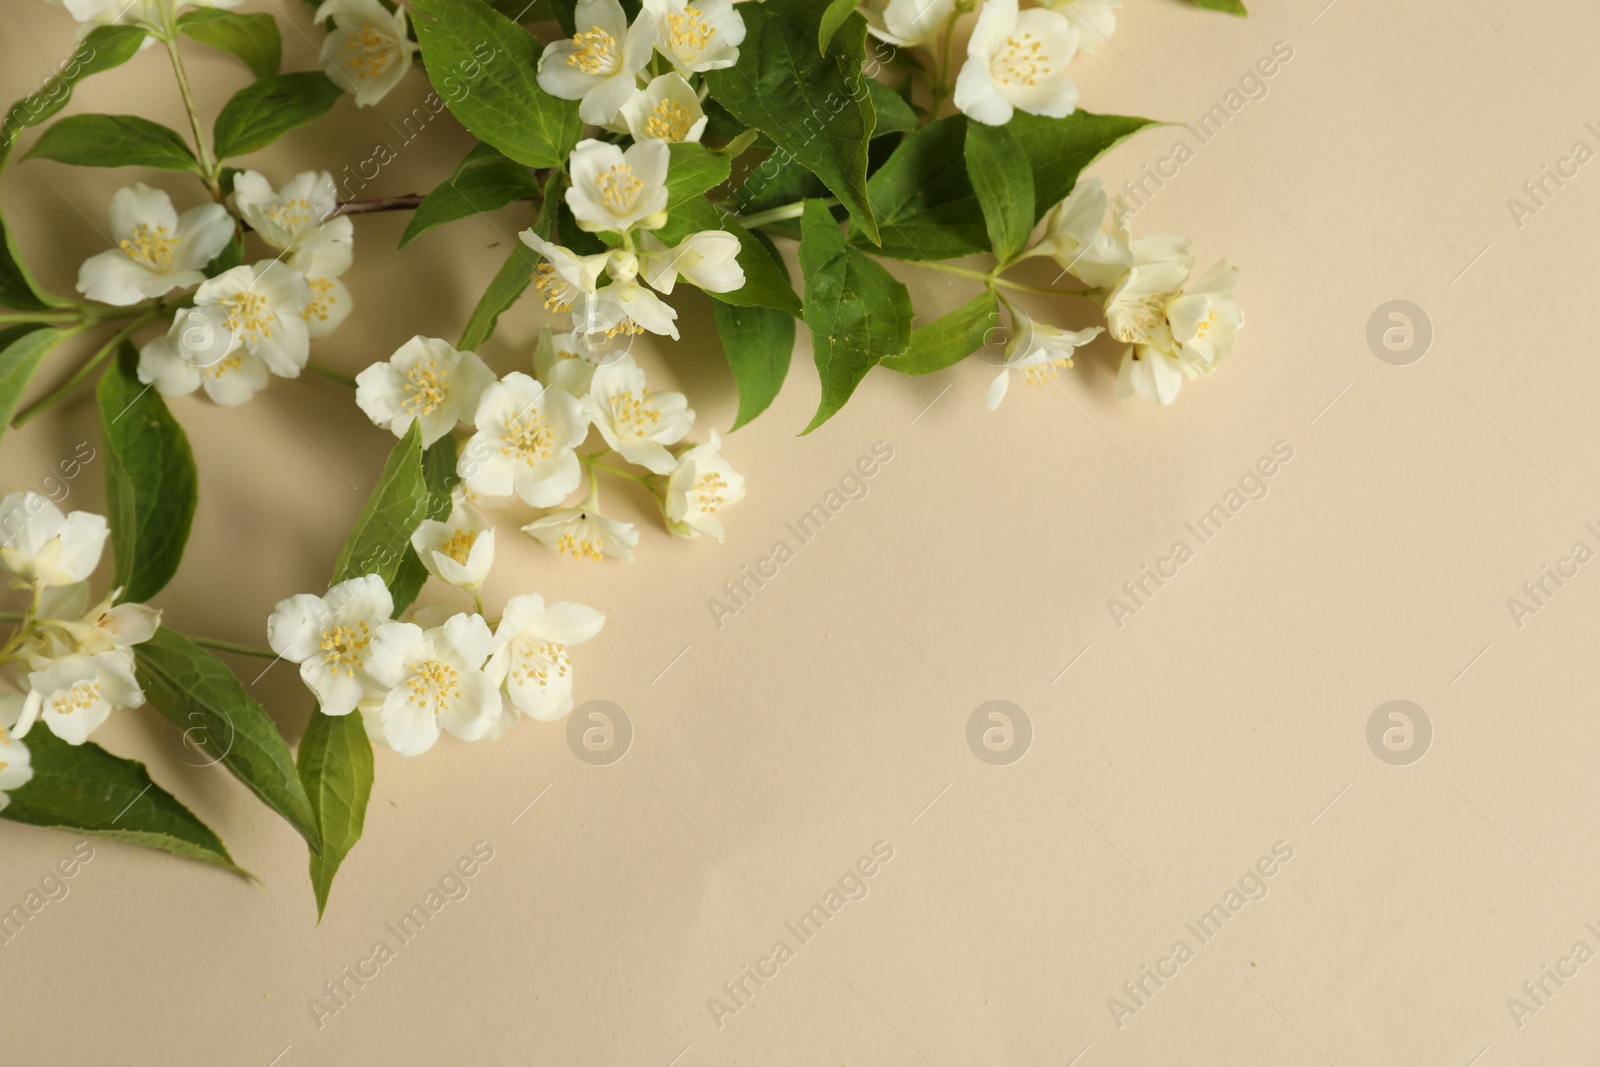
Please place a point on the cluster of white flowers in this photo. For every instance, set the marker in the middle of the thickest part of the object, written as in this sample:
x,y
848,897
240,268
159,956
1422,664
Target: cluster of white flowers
x,y
603,66
438,671
368,50
72,659
1016,59
1172,332
248,322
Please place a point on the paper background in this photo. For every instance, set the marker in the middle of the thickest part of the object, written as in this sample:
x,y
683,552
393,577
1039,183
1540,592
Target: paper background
x,y
831,712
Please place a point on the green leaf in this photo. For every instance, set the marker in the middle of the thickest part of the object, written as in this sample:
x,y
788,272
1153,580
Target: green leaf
x,y
265,110
113,141
1232,7
151,484
925,202
105,47
21,350
336,769
765,282
85,789
382,535
197,693
485,67
512,279
1004,187
18,290
808,104
894,114
253,38
439,475
833,16
483,182
858,313
948,339
1059,149
758,343
693,171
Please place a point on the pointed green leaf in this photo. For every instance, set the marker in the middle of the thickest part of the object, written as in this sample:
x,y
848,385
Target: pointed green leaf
x,y
894,114
151,484
105,47
113,141
336,768
18,290
197,693
86,790
1004,186
813,107
1059,149
439,475
22,348
382,535
948,339
694,170
858,313
267,109
758,342
925,202
486,68
483,182
253,38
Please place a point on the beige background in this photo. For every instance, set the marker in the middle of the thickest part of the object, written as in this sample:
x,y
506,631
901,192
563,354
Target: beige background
x,y
830,713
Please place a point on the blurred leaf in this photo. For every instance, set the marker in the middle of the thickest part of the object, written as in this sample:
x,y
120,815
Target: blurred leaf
x,y
267,109
253,38
113,141
104,48
21,350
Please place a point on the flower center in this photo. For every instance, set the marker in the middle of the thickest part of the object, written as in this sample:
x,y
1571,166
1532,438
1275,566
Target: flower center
x,y
1022,61
634,414
708,491
434,683
293,216
248,314
151,246
423,389
581,541
528,438
536,660
322,300
1045,373
459,546
596,52
553,288
342,647
226,365
81,697
1141,318
670,121
688,32
619,188
368,53
1203,327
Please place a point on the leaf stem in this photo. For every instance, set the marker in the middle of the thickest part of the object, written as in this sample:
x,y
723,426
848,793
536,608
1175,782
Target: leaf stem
x,y
208,161
228,646
62,391
329,373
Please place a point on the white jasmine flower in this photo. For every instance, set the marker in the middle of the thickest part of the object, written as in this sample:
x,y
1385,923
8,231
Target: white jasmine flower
x,y
1039,351
708,259
530,659
1149,373
431,679
76,695
39,544
329,306
584,533
907,23
199,351
1017,60
331,637
1136,309
617,190
702,484
16,765
157,250
565,361
696,35
265,306
637,421
668,109
107,627
298,219
149,13
459,550
426,381
599,66
625,308
368,50
1074,236
525,441
1205,321
565,277
1095,20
